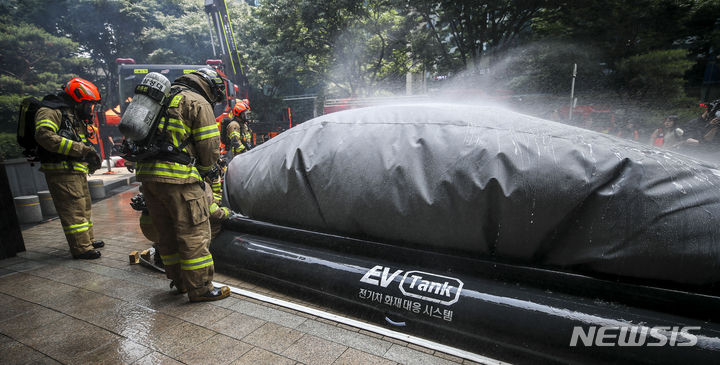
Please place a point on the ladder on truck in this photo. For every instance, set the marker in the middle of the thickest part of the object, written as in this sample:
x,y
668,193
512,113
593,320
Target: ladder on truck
x,y
219,22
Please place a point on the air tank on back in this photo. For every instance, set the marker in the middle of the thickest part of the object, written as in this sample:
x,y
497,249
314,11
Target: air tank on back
x,y
145,106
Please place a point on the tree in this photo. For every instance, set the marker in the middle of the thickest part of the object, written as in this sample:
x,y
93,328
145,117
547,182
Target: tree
x,y
656,75
107,30
619,28
465,32
103,29
296,41
184,37
33,63
372,54
340,47
546,67
627,33
703,42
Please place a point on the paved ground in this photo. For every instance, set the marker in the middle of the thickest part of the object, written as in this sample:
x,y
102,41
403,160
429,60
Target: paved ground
x,y
59,310
115,178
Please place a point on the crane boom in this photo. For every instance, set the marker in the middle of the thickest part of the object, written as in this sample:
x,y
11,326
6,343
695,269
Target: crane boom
x,y
221,26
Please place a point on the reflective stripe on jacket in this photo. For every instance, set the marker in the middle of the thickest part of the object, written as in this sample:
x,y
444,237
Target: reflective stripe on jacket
x,y
190,116
233,134
47,125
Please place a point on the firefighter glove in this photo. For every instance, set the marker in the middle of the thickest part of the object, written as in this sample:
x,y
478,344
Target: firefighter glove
x,y
87,150
94,162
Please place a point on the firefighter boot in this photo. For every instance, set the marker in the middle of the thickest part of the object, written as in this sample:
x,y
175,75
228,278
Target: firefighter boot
x,y
88,255
214,294
98,244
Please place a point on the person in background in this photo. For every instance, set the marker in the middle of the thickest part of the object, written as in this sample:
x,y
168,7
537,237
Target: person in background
x,y
245,131
607,127
629,131
232,128
555,116
666,135
704,131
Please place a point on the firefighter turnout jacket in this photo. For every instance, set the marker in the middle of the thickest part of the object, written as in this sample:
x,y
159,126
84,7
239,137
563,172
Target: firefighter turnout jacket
x,y
189,115
65,174
234,135
175,193
48,123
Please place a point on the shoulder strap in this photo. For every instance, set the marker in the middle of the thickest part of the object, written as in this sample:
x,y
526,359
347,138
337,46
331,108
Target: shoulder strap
x,y
58,103
174,91
54,102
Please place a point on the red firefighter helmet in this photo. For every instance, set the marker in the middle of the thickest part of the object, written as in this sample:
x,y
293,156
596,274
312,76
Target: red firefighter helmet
x,y
239,107
82,90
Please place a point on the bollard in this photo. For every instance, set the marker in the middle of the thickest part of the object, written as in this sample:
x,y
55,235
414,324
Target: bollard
x,y
97,189
46,204
27,208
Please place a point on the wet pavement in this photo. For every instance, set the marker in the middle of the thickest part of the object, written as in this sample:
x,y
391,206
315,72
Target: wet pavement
x,y
59,310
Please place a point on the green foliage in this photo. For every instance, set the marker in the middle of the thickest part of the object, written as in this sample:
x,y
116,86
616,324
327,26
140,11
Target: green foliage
x,y
179,38
656,75
8,147
547,68
9,105
465,32
295,40
338,48
617,27
32,63
371,55
105,31
38,63
704,39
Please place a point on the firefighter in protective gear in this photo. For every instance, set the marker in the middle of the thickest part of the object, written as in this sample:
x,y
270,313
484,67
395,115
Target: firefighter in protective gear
x,y
65,154
237,131
174,192
245,130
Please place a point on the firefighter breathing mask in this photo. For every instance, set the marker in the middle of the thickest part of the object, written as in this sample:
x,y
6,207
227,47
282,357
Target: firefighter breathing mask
x,y
85,110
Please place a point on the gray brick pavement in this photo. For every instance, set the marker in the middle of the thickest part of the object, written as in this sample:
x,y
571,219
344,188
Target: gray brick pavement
x,y
59,310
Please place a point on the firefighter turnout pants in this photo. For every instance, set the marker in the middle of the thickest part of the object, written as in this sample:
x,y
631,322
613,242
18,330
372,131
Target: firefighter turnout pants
x,y
71,196
180,215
